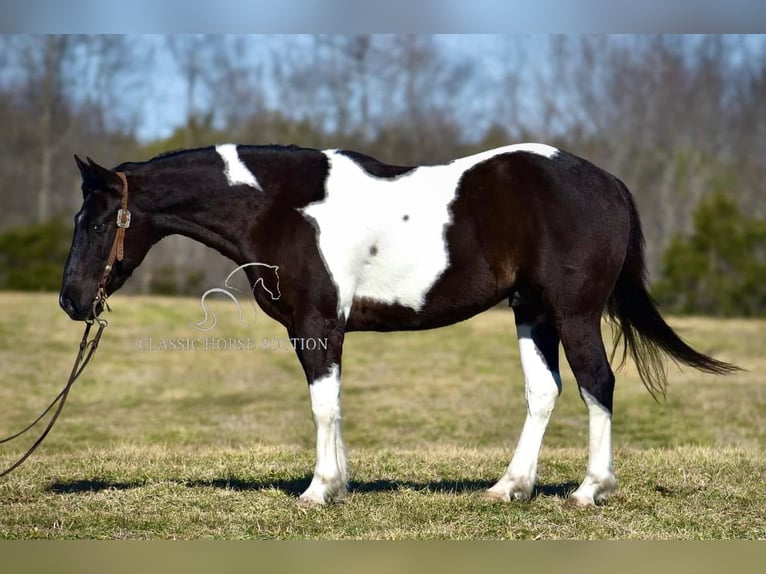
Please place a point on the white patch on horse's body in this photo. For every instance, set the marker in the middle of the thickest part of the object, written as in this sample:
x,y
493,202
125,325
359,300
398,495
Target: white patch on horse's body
x,y
599,480
542,388
384,239
331,473
235,170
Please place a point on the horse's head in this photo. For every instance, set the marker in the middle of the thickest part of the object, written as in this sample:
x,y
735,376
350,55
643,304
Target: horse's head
x,y
94,234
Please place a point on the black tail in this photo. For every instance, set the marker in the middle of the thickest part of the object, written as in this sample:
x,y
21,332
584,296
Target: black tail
x,y
644,333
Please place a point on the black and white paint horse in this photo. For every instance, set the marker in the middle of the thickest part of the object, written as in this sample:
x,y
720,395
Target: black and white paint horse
x,y
365,246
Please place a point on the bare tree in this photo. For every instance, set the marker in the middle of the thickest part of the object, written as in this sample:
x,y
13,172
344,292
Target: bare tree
x,y
193,55
423,123
659,111
512,58
45,59
59,88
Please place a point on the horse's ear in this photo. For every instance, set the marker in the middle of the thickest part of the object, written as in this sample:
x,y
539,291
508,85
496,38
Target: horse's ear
x,y
82,166
105,178
89,181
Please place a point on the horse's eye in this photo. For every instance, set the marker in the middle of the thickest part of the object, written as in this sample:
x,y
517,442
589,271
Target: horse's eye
x,y
99,227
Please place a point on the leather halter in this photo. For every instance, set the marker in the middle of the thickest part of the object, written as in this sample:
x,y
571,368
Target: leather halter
x,y
118,249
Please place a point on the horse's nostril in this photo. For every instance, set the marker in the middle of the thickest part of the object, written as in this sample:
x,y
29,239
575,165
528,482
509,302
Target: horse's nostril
x,y
67,304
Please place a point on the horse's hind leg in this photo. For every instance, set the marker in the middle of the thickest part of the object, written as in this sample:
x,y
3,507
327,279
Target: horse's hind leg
x,y
538,347
584,349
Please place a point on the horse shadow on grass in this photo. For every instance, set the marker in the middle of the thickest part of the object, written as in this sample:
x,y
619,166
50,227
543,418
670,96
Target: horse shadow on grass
x,y
294,487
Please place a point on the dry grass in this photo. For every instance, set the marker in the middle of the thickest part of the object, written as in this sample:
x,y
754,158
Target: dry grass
x,y
215,444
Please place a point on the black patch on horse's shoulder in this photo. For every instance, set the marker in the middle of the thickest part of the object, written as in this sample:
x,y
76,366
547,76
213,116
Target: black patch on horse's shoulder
x,y
291,176
374,167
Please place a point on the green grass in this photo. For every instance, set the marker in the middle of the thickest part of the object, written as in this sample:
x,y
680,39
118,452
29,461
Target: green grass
x,y
217,444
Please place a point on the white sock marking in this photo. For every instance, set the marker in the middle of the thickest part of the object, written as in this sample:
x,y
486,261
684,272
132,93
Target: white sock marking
x,y
600,437
330,474
404,219
542,388
599,479
235,170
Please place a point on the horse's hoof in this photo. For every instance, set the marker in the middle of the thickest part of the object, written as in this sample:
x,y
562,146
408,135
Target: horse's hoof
x,y
581,501
494,496
309,501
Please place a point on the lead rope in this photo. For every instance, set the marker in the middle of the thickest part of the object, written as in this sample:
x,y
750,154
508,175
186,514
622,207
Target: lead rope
x,y
87,346
77,369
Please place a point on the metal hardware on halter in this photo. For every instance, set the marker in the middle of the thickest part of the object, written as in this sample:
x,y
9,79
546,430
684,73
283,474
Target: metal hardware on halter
x,y
123,218
99,298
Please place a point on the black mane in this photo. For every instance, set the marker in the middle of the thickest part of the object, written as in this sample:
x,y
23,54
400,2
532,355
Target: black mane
x,y
179,152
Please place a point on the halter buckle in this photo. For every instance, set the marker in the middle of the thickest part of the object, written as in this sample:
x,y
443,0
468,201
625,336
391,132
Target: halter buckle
x,y
123,218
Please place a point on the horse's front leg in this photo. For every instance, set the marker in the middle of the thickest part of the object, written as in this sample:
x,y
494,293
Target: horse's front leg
x,y
318,342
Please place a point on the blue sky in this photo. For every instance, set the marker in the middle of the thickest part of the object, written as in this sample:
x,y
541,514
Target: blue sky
x,y
164,96
165,110
158,87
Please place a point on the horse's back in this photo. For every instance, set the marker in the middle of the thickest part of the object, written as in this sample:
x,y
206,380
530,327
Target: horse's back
x,y
421,247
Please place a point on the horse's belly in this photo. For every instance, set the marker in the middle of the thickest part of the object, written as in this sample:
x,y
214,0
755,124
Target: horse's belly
x,y
417,294
402,272
375,315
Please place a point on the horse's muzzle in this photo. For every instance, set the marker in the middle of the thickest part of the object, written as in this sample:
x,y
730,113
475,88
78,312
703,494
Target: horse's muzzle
x,y
77,308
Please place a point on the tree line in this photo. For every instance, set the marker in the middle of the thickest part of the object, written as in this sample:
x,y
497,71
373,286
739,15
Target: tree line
x,y
680,119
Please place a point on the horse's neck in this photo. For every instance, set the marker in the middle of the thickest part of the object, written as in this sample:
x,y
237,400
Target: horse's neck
x,y
218,218
202,197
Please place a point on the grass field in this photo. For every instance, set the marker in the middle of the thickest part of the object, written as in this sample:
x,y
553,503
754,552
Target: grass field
x,y
207,443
